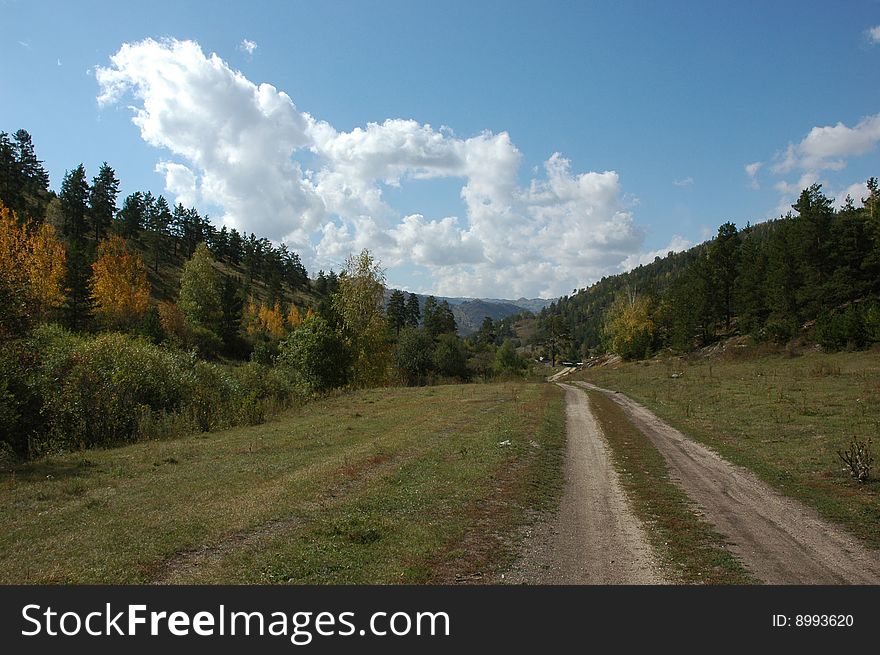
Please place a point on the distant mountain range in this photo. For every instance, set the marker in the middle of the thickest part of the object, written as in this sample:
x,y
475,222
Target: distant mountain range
x,y
470,312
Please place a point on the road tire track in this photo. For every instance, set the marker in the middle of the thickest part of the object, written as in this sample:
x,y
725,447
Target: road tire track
x,y
778,539
594,537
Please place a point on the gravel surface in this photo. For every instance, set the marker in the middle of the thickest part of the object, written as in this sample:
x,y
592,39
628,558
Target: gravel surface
x,y
594,537
778,539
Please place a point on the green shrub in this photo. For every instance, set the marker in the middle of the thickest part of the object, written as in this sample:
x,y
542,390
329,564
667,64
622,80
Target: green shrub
x,y
414,354
842,329
61,391
314,356
450,357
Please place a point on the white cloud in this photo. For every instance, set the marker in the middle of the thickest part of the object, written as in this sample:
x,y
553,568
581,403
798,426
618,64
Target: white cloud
x,y
236,136
247,46
235,144
685,182
752,171
676,244
823,151
180,181
874,34
855,191
828,147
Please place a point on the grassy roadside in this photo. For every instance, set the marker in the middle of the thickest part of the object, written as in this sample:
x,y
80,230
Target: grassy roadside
x,y
378,486
690,548
782,417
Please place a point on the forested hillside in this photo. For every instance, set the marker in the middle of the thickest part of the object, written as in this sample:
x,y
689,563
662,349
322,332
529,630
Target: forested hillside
x,y
128,320
813,273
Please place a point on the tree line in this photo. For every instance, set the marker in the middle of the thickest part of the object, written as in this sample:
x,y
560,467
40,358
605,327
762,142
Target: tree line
x,y
94,354
813,273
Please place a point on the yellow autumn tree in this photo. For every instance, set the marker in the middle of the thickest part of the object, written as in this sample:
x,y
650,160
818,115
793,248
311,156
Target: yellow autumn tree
x,y
629,325
119,288
32,267
264,320
173,322
272,320
294,319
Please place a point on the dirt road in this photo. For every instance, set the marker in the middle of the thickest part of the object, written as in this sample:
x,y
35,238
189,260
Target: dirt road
x,y
779,540
594,538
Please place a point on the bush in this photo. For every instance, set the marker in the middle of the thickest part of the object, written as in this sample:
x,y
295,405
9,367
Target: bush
x,y
60,391
450,357
507,360
842,330
414,354
314,356
92,388
858,458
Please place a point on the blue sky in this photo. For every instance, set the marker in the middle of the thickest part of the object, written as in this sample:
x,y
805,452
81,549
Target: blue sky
x,y
577,139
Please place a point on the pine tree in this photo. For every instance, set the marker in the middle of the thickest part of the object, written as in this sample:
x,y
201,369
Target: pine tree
x,y
724,259
231,313
75,203
102,200
396,311
130,219
413,313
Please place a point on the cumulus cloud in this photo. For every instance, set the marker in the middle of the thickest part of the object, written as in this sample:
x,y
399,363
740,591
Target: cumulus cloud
x,y
874,34
247,46
825,149
237,145
828,147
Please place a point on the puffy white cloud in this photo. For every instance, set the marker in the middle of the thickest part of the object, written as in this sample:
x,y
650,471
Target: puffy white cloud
x,y
247,46
237,146
824,150
828,147
180,181
874,34
238,137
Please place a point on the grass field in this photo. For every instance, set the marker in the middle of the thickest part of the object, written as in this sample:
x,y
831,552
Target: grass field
x,y
781,416
380,486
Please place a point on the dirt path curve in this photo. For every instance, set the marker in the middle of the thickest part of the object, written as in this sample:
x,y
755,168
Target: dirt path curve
x,y
778,539
594,538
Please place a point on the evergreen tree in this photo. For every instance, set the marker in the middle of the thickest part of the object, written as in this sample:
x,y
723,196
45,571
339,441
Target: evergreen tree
x,y
486,334
75,203
130,219
232,304
724,259
439,318
750,293
413,313
102,200
236,244
396,311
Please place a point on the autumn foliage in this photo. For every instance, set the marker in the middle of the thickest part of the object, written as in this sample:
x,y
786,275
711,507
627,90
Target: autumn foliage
x,y
32,268
265,320
119,289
